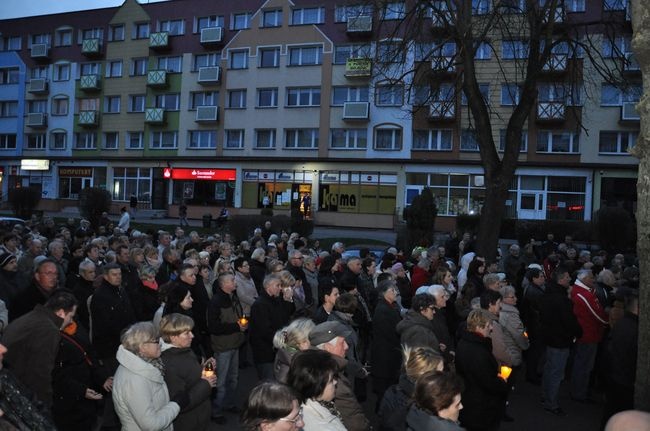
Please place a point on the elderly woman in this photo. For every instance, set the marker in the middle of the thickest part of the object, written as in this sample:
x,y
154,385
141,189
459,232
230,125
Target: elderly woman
x,y
258,267
136,257
437,403
514,335
416,329
145,297
289,282
151,257
272,406
313,375
140,394
288,341
184,373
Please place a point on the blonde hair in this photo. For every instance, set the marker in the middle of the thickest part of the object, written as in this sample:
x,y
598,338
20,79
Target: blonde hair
x,y
175,324
478,319
295,333
420,360
138,334
286,278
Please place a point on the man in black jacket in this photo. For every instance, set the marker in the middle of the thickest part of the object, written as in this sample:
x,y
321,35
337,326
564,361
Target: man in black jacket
x,y
559,328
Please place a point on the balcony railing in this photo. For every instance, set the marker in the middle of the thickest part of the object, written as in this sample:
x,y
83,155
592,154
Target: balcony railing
x,y
159,40
442,110
90,82
154,116
88,118
157,78
556,63
443,64
91,47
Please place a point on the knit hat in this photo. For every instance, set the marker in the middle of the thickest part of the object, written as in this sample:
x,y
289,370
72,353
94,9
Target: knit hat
x,y
397,267
5,258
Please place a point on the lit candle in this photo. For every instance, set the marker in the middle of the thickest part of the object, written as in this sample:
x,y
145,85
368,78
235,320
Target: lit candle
x,y
243,321
505,372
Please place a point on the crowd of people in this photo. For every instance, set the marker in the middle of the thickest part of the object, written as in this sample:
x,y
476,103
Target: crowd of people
x,y
148,331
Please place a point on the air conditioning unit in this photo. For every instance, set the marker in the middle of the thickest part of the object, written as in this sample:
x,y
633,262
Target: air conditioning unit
x,y
629,112
212,35
209,75
360,24
37,119
37,85
356,110
40,50
207,113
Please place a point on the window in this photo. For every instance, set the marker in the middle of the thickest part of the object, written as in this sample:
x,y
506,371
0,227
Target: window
x,y
58,140
390,52
11,43
171,64
174,27
234,138
116,32
574,5
9,75
40,38
480,7
265,138
140,30
483,51
114,69
613,142
205,60
271,18
309,15
267,97
269,57
432,140
136,102
305,56
112,104
138,66
38,72
348,139
8,108
63,37
388,138
237,99
111,141
389,95
35,141
164,140
515,49
204,98
309,96
132,181
523,145
60,105
238,59
468,140
90,104
240,21
301,138
208,22
616,47
394,10
8,141
557,142
89,69
510,94
343,52
202,139
343,13
85,140
134,140
168,101
37,106
484,88
61,72
610,5
92,33
340,95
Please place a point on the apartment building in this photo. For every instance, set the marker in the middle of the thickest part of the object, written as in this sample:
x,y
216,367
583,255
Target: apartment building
x,y
249,103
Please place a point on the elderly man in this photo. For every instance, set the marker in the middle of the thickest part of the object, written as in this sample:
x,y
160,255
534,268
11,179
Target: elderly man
x,y
56,249
26,262
294,266
83,288
43,283
330,337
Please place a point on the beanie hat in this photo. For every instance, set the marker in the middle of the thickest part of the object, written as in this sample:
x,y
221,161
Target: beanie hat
x,y
5,258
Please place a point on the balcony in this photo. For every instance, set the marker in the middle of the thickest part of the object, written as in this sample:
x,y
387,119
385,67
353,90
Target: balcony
x,y
211,35
551,111
154,116
159,40
37,86
40,51
557,63
37,120
557,15
630,64
356,111
359,24
88,118
91,47
157,78
629,112
90,83
443,64
207,114
358,67
440,19
442,110
209,75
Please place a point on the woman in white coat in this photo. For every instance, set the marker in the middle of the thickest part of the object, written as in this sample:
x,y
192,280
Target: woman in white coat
x,y
140,394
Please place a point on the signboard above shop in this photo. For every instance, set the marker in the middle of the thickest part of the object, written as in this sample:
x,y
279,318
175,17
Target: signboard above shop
x,y
206,174
35,165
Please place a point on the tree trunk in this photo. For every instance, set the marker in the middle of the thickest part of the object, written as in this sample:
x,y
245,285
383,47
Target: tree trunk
x,y
496,192
641,44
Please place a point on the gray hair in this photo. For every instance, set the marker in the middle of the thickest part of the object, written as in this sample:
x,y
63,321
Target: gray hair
x,y
147,270
436,289
85,265
138,334
584,273
491,278
54,244
293,334
607,277
336,245
507,291
257,253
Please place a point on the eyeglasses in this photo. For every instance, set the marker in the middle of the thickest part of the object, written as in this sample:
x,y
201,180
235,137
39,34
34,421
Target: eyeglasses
x,y
295,420
154,341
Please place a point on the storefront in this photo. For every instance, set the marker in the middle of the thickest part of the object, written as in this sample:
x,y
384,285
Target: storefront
x,y
287,189
74,179
202,186
357,192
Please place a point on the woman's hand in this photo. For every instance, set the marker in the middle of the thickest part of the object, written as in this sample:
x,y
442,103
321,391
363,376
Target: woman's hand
x,y
92,395
212,380
108,384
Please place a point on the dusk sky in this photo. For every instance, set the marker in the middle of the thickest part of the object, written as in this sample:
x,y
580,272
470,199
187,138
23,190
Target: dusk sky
x,y
21,8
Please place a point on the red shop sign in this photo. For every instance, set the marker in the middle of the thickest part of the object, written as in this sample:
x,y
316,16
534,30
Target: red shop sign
x,y
201,174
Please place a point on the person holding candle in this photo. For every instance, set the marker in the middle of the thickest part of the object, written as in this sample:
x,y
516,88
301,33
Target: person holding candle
x,y
183,372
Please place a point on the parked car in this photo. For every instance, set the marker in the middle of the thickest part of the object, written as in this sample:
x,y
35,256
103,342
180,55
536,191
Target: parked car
x,y
355,249
8,223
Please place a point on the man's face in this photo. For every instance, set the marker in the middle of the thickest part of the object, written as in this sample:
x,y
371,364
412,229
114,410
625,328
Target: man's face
x,y
165,240
564,280
588,280
113,277
11,266
228,285
47,276
36,248
88,274
188,276
123,256
296,260
340,347
355,266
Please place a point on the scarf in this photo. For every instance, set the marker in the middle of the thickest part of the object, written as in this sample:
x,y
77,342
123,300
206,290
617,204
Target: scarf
x,y
156,362
329,405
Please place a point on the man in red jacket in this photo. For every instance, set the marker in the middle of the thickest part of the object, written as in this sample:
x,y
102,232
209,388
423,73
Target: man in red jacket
x,y
593,320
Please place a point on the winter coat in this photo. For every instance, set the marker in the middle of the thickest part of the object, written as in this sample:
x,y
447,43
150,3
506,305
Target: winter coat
x,y
499,349
26,299
318,418
420,420
19,410
590,314
420,277
82,290
145,301
110,312
183,374
246,291
622,350
559,325
140,395
386,353
395,405
282,363
258,272
513,333
223,312
415,330
484,398
268,315
346,402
